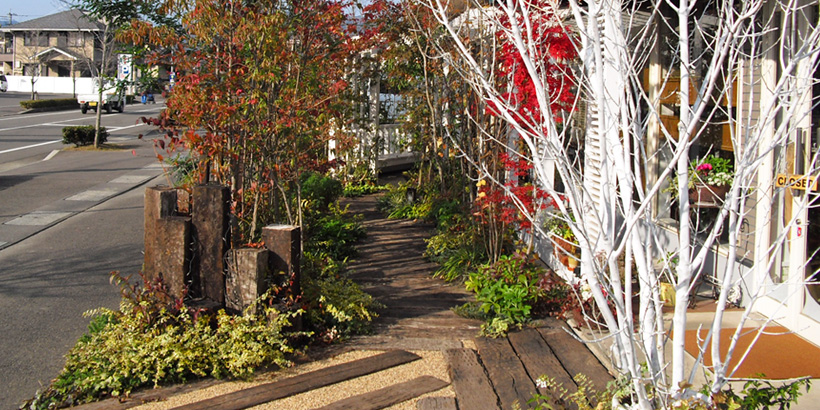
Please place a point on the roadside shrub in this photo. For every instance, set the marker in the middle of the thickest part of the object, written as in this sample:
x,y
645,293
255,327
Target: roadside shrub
x,y
51,103
82,135
183,170
147,342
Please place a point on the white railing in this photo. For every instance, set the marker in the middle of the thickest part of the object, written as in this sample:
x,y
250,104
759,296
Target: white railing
x,y
391,140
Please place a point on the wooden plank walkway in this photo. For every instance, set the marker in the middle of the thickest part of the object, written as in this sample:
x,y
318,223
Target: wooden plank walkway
x,y
484,373
499,372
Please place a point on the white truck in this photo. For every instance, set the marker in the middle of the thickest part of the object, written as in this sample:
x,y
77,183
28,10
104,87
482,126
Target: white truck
x,y
112,99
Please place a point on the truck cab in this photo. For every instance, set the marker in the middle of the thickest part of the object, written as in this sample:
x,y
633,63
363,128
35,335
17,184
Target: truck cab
x,y
113,98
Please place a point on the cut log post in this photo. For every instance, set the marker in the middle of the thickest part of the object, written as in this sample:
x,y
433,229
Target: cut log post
x,y
284,242
210,213
248,277
167,241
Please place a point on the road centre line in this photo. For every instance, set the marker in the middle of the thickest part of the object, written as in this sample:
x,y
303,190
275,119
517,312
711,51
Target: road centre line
x,y
17,117
29,146
58,123
123,128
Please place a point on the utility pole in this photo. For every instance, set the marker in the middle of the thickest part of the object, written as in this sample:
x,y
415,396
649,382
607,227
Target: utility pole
x,y
11,16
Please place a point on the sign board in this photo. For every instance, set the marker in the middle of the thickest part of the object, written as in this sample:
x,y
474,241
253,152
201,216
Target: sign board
x,y
124,66
802,182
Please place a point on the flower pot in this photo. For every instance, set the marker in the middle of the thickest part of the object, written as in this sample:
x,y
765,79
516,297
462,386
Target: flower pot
x,y
708,196
563,249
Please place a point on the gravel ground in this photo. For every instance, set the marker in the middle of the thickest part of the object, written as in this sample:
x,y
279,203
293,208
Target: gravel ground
x,y
432,363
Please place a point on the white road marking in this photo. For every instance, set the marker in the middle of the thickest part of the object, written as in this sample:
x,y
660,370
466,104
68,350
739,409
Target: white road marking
x,y
130,179
39,218
92,195
124,128
58,124
29,146
51,155
17,117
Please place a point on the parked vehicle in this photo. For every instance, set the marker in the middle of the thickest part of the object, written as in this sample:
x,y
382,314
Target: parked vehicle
x,y
113,99
4,84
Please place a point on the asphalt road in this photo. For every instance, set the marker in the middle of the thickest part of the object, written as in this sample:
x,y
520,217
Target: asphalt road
x,y
67,218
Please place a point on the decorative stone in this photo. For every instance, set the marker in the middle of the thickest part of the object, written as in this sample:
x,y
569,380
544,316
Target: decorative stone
x,y
247,278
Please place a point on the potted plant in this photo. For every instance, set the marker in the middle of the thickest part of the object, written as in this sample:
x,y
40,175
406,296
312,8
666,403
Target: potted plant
x,y
709,180
563,240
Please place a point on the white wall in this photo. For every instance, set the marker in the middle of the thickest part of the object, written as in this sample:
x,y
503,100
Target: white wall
x,y
50,85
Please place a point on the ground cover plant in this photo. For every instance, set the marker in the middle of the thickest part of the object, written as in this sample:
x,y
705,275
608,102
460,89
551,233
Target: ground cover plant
x,y
147,342
754,395
151,340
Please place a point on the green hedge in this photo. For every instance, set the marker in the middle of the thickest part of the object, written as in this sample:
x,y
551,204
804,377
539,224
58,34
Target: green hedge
x,y
57,102
82,135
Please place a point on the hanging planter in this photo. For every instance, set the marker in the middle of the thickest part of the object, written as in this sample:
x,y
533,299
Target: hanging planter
x,y
708,196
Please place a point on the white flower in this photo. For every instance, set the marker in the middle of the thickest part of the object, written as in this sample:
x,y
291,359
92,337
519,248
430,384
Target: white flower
x,y
541,382
586,292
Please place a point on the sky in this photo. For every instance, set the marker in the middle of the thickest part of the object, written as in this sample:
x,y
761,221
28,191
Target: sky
x,y
28,9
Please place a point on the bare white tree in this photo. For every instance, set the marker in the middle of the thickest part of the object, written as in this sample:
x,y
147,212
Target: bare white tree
x,y
661,83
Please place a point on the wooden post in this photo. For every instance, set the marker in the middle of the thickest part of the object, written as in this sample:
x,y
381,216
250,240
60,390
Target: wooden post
x,y
167,240
247,277
210,213
284,242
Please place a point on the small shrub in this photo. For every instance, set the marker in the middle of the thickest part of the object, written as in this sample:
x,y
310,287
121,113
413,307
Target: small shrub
x,y
337,307
51,103
508,288
761,394
183,170
556,396
336,233
357,190
756,395
82,135
321,190
457,248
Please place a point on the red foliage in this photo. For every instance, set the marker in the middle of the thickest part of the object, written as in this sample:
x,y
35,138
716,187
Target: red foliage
x,y
505,204
258,84
550,50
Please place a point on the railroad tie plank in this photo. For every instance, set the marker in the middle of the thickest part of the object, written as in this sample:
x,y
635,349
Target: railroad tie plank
x,y
473,389
267,392
539,359
390,395
509,378
576,357
437,403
